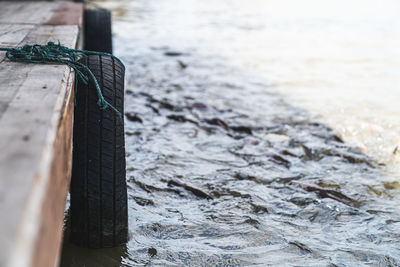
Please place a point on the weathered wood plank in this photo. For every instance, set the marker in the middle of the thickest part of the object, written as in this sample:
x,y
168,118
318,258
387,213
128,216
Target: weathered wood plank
x,y
36,35
47,246
34,161
12,35
17,19
14,12
68,13
36,110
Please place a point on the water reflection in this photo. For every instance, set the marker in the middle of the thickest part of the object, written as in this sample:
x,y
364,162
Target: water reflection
x,y
222,171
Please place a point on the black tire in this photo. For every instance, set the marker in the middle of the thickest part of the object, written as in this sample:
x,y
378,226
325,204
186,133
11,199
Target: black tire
x,y
99,209
97,30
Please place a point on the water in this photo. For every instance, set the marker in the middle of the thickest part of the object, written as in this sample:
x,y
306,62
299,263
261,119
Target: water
x,y
229,159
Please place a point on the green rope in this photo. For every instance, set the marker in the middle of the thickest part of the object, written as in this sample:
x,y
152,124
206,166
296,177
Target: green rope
x,y
61,54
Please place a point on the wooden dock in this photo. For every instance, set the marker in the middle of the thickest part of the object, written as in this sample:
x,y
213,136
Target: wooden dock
x,y
36,115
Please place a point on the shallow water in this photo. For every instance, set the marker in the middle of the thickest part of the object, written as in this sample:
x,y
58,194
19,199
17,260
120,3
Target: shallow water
x,y
222,170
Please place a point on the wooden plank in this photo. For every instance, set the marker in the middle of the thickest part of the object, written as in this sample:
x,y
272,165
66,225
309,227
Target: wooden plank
x,y
33,35
14,12
48,245
34,162
68,13
12,35
36,109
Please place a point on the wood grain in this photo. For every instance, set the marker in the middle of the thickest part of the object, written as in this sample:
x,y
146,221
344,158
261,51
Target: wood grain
x,y
12,35
67,13
36,110
29,12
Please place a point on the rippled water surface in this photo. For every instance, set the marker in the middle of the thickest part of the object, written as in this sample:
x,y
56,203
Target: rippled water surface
x,y
231,156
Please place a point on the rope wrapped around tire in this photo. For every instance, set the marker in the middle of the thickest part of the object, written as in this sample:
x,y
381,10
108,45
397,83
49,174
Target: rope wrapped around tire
x,y
99,212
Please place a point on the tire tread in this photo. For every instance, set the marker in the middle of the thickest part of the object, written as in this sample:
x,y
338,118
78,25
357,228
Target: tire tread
x,y
99,212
